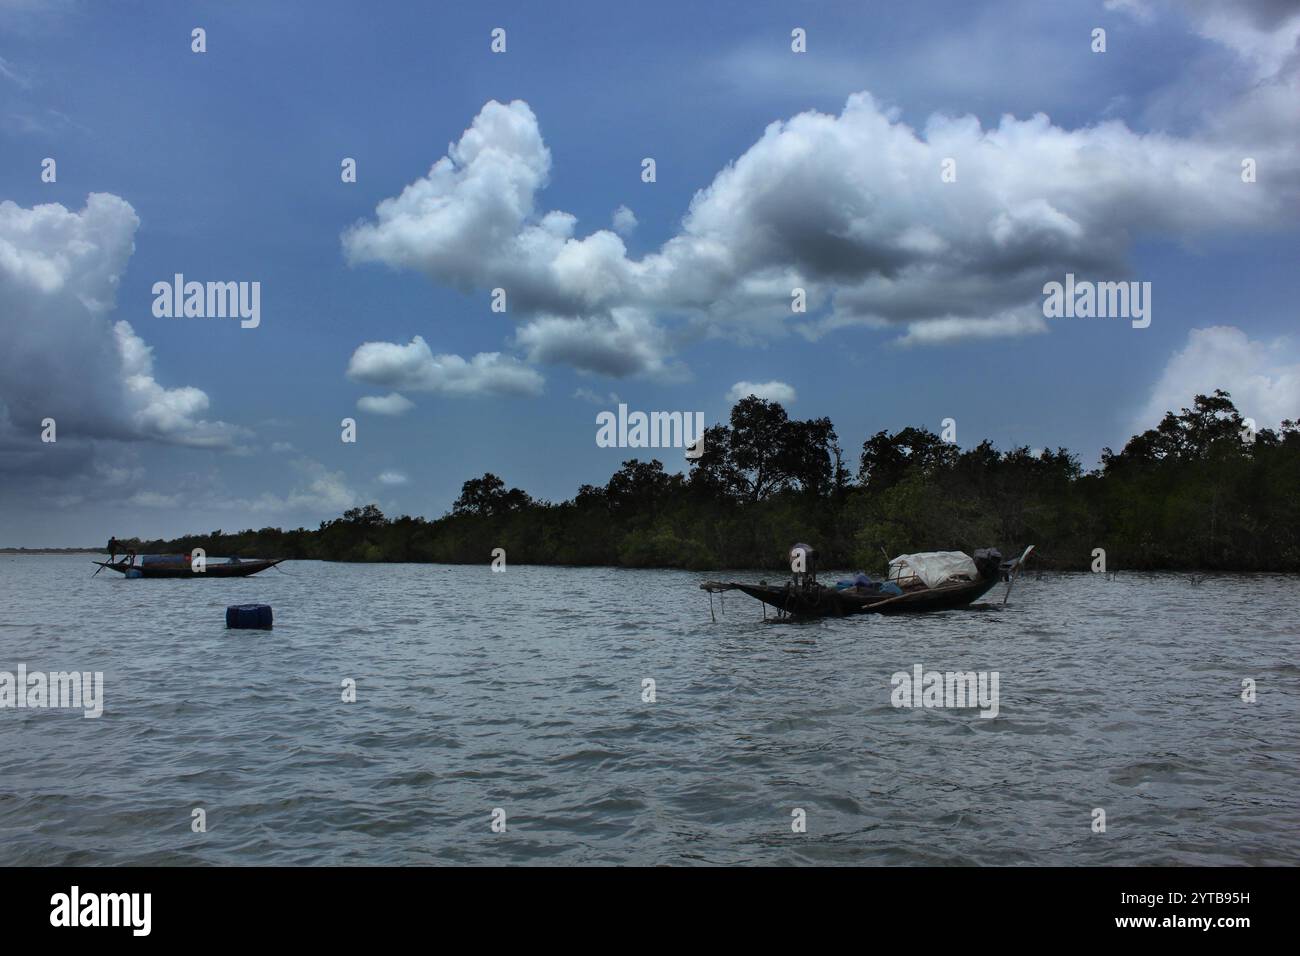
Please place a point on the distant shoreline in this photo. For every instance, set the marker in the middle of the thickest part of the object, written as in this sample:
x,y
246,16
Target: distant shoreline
x,y
52,551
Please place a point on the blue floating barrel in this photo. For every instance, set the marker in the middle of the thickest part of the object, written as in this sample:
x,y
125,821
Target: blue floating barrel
x,y
254,616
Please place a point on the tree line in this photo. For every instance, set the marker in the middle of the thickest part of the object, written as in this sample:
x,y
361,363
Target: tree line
x,y
1201,490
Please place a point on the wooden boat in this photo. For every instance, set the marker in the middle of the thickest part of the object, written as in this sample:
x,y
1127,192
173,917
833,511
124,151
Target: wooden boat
x,y
803,596
178,566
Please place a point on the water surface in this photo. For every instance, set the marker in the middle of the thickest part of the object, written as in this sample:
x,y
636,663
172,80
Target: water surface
x,y
523,691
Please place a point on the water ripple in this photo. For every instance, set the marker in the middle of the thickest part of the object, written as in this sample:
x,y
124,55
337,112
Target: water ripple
x,y
525,691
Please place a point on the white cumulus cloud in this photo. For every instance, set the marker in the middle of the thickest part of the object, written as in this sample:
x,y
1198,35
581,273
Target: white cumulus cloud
x,y
1263,32
771,391
318,492
854,209
625,342
624,221
414,367
62,357
391,404
1262,377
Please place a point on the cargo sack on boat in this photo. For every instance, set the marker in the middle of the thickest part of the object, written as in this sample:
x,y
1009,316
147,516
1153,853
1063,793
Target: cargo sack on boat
x,y
932,568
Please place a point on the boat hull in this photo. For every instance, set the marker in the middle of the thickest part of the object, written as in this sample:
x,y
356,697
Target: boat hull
x,y
821,601
241,570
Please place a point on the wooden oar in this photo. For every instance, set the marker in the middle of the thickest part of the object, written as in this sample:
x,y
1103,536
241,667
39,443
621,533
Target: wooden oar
x,y
1014,573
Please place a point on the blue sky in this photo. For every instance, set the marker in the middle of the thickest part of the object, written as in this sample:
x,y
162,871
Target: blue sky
x,y
230,159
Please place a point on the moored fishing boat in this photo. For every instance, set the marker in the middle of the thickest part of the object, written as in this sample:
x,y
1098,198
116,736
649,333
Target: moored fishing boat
x,y
929,581
181,566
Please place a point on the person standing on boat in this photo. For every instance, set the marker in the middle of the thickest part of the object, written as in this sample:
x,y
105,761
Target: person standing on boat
x,y
114,545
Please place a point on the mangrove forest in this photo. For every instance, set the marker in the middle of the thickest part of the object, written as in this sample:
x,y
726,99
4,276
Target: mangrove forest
x,y
1201,490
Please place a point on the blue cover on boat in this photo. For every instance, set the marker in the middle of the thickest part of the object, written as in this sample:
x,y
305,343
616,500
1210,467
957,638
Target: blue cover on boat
x,y
254,616
858,580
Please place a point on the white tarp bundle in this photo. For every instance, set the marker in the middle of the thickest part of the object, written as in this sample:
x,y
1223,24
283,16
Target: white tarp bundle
x,y
933,567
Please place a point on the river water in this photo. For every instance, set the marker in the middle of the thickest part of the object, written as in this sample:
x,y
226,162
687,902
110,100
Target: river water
x,y
524,692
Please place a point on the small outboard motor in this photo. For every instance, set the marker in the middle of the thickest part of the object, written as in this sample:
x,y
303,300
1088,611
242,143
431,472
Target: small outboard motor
x,y
803,564
988,561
